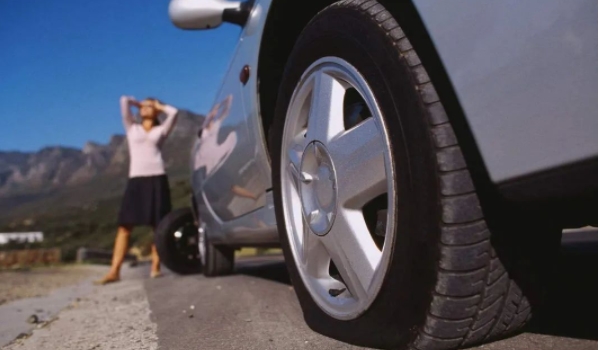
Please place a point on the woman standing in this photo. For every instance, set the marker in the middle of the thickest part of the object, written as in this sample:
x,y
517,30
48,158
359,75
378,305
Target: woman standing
x,y
147,197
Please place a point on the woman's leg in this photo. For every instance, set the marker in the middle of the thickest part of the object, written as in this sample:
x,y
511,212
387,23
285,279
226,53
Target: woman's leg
x,y
119,251
155,271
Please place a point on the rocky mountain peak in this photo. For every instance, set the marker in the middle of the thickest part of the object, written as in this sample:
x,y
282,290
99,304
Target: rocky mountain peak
x,y
58,166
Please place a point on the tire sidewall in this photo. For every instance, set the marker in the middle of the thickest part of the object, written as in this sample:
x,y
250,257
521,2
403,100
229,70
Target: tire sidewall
x,y
399,310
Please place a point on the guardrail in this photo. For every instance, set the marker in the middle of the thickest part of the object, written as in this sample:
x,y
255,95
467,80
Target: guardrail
x,y
100,256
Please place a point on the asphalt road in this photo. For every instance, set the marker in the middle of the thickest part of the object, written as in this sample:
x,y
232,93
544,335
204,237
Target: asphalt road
x,y
257,309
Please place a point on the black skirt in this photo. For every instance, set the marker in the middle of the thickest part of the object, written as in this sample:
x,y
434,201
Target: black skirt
x,y
146,201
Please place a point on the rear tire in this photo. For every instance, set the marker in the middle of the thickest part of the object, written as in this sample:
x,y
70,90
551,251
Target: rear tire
x,y
219,260
450,282
178,254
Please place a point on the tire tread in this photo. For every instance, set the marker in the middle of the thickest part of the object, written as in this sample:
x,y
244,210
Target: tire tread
x,y
474,299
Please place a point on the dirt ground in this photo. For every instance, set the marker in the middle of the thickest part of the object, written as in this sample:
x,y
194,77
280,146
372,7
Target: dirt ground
x,y
39,281
115,316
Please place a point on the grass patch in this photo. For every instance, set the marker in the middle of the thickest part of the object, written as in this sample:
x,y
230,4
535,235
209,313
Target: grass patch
x,y
245,252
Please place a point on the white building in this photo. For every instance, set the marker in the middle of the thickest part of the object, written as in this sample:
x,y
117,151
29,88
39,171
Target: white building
x,y
22,237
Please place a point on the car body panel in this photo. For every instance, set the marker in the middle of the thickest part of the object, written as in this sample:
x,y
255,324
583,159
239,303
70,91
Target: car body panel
x,y
231,165
525,73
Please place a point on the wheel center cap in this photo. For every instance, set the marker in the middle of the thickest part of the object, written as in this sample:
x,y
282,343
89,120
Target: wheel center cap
x,y
318,188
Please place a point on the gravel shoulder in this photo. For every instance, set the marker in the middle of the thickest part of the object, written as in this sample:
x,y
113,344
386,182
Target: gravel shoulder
x,y
115,316
41,281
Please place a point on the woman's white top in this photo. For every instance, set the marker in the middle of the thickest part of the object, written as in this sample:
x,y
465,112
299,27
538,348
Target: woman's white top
x,y
145,158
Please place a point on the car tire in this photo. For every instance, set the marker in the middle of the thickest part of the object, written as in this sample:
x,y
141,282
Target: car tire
x,y
457,276
218,260
178,254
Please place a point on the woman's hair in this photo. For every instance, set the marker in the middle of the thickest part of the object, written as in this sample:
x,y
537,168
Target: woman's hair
x,y
153,100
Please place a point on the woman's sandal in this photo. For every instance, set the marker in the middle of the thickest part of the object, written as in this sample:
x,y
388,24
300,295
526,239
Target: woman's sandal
x,y
155,274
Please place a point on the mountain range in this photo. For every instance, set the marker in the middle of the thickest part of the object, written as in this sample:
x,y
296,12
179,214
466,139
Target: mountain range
x,y
81,176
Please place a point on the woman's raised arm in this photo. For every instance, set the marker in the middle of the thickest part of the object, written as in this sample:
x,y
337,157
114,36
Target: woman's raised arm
x,y
126,103
169,122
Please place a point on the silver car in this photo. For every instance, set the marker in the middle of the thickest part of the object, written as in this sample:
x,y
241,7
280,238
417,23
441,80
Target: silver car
x,y
416,161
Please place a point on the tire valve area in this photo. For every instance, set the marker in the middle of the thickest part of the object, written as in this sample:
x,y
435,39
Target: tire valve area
x,y
375,213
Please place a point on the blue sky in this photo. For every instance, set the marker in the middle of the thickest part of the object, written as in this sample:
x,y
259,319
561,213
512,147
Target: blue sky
x,y
65,63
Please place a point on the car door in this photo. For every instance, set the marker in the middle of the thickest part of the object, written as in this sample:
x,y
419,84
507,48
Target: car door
x,y
222,153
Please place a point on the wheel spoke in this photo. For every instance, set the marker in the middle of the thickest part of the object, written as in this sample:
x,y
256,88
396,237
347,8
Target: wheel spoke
x,y
295,157
326,116
359,156
314,255
328,175
353,251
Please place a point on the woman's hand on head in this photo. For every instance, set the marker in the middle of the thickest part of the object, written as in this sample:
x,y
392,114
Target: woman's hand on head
x,y
159,106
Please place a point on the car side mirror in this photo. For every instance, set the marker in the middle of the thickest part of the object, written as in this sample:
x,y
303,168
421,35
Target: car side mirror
x,y
208,14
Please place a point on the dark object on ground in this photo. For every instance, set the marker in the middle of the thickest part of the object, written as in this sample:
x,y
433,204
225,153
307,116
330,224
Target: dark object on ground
x,y
33,319
177,242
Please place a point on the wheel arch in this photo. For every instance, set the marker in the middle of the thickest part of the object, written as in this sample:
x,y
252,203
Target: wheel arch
x,y
285,23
